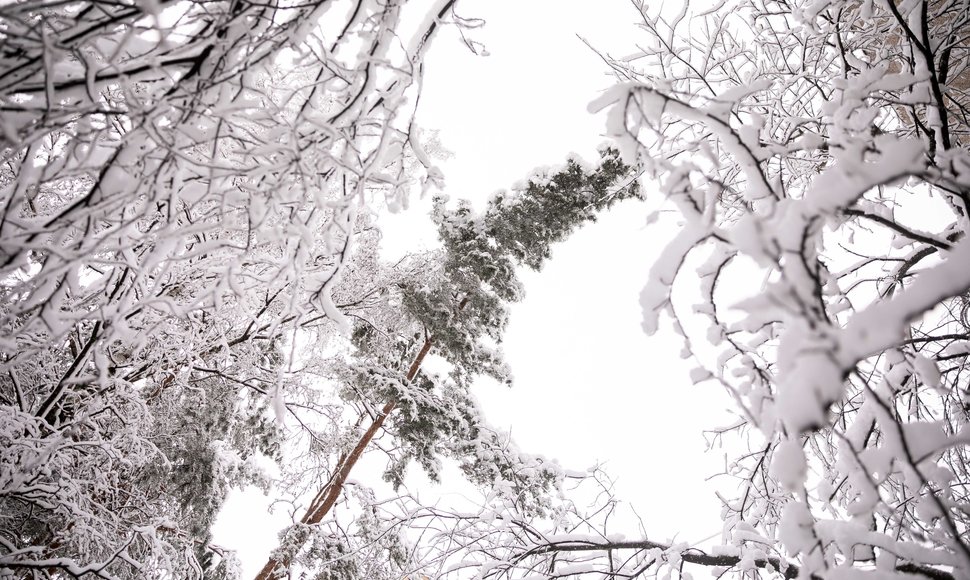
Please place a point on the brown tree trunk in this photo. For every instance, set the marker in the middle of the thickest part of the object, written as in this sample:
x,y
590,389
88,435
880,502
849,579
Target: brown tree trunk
x,y
325,499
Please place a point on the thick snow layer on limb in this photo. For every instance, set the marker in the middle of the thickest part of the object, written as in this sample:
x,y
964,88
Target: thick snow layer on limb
x,y
654,298
789,465
884,323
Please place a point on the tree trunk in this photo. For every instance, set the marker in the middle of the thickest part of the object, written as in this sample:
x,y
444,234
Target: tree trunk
x,y
325,499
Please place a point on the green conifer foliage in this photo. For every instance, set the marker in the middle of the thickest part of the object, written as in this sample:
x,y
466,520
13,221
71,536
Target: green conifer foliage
x,y
467,310
463,304
482,252
461,300
525,225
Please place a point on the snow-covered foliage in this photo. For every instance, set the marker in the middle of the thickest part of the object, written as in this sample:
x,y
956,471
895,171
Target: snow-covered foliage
x,y
179,193
182,190
452,305
817,153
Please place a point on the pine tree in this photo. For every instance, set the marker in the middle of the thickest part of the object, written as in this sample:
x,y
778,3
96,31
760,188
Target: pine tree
x,y
457,309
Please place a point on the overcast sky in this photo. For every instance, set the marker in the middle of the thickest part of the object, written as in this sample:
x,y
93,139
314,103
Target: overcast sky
x,y
590,386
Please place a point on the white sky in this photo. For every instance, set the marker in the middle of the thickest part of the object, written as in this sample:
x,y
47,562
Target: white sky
x,y
590,386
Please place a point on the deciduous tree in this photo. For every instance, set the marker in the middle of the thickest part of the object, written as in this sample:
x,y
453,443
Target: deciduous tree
x,y
175,208
821,148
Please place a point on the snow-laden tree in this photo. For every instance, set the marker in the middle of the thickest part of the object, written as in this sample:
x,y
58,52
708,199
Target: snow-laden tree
x,y
817,155
180,185
451,305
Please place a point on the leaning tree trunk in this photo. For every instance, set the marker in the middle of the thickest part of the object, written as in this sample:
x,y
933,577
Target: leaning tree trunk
x,y
325,499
